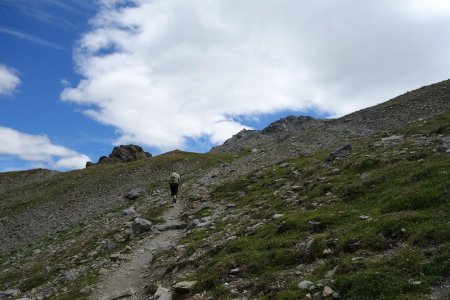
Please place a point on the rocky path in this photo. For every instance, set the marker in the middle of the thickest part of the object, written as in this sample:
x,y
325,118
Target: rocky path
x,y
127,281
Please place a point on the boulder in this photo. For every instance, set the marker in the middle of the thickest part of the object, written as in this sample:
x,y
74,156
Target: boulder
x,y
140,226
134,194
184,287
327,291
129,212
340,152
69,276
305,285
9,293
162,294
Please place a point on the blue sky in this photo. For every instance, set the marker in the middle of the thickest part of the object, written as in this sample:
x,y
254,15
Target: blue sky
x,y
78,77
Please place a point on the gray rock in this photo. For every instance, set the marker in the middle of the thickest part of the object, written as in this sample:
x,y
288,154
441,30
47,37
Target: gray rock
x,y
116,257
128,293
330,274
129,212
162,294
340,152
9,293
277,216
140,226
235,271
86,290
134,194
327,291
69,276
305,285
184,287
109,246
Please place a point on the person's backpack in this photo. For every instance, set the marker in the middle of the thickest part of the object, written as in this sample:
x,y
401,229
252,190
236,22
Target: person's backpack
x,y
173,179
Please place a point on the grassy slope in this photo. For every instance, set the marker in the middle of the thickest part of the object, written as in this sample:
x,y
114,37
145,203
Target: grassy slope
x,y
404,189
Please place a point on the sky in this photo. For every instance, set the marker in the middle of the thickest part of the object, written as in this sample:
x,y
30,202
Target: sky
x,y
78,77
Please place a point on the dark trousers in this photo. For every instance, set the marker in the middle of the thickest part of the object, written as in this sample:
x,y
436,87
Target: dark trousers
x,y
173,189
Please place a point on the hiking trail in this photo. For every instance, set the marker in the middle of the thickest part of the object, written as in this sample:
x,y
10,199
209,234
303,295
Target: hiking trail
x,y
128,280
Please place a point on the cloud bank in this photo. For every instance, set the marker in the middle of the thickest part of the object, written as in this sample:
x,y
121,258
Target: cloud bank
x,y
8,80
39,150
165,71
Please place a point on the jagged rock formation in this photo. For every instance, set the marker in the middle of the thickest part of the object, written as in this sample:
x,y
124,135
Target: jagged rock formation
x,y
122,153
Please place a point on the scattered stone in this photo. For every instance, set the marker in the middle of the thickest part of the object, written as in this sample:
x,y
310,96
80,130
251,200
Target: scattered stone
x,y
86,290
140,226
49,292
364,217
201,296
37,251
89,164
69,276
116,257
9,293
330,274
126,249
327,291
201,207
335,295
231,205
316,226
122,295
308,296
305,285
254,150
364,176
235,271
284,165
277,216
134,194
296,188
184,287
109,246
340,152
327,251
129,212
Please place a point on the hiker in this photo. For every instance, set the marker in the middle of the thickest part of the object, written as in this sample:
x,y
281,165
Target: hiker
x,y
174,182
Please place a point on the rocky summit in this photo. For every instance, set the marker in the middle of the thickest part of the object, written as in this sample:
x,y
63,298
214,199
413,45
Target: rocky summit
x,y
349,208
123,153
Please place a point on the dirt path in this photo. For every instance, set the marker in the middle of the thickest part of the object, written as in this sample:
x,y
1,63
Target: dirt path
x,y
127,281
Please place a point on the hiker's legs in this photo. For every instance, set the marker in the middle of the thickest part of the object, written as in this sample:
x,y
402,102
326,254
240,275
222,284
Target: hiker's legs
x,y
173,192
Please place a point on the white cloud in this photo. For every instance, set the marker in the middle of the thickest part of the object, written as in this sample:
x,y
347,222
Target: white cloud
x,y
39,150
8,80
163,71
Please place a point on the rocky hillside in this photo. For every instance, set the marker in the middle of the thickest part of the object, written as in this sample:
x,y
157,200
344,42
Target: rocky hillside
x,y
352,208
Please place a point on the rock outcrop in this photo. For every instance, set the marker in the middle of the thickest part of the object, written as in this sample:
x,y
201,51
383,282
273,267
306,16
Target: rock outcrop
x,y
122,153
